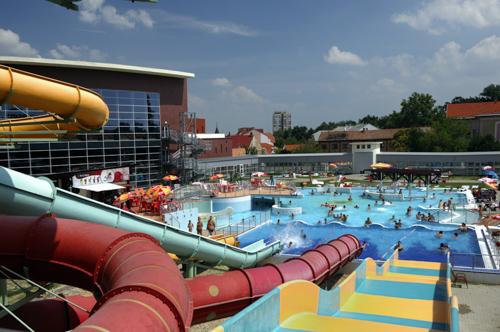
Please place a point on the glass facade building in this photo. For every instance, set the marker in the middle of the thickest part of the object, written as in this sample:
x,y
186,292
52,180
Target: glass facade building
x,y
130,138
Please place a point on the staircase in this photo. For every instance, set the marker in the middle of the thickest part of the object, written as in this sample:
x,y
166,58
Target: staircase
x,y
399,296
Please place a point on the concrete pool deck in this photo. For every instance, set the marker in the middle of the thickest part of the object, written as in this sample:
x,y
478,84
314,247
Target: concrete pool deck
x,y
478,307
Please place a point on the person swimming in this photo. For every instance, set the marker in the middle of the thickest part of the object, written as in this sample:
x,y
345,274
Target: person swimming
x,y
398,224
399,246
444,247
368,222
439,234
303,234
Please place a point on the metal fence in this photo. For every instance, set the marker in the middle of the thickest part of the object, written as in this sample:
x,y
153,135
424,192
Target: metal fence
x,y
475,261
245,224
456,216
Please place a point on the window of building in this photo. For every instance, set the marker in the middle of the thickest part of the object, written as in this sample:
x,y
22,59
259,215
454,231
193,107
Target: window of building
x,y
134,124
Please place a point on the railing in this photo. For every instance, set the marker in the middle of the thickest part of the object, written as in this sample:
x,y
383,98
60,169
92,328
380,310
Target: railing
x,y
245,224
481,262
455,216
242,190
189,191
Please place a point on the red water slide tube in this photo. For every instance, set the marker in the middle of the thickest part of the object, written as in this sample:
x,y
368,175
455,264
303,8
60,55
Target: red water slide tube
x,y
138,286
218,296
214,296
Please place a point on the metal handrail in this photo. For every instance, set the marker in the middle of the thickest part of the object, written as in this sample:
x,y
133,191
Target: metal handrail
x,y
244,225
472,258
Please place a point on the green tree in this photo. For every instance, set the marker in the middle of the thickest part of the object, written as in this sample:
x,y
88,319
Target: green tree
x,y
484,143
295,135
333,125
251,150
370,119
409,139
446,135
417,111
309,147
492,92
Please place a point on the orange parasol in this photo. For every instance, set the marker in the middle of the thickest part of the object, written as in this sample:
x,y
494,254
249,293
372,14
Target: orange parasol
x,y
170,177
216,176
139,192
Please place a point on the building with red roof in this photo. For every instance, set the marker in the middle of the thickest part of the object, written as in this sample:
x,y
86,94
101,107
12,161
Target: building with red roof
x,y
483,118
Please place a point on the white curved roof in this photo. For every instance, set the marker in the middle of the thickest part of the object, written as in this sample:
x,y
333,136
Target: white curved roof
x,y
94,65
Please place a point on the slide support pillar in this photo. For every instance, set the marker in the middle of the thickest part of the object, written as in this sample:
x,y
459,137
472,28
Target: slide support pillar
x,y
189,270
4,296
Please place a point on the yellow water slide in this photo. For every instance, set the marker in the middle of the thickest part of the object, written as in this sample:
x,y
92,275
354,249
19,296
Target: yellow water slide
x,y
70,108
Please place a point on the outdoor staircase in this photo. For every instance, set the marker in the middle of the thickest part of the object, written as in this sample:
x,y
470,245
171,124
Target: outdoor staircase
x,y
399,296
410,296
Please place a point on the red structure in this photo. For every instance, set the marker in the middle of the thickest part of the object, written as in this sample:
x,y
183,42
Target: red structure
x,y
137,285
220,147
200,126
218,296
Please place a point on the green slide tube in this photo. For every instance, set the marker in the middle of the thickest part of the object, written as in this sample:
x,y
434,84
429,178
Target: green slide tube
x,y
21,194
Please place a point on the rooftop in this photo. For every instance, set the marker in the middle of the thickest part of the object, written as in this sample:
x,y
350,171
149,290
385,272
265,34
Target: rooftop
x,y
94,66
210,136
356,135
467,110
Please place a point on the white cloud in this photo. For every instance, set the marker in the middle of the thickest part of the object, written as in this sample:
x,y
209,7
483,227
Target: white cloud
x,y
206,26
222,82
336,56
472,13
242,94
196,103
141,16
93,11
486,49
11,44
74,52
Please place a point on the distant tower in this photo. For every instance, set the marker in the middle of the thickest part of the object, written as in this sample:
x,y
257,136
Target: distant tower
x,y
282,121
216,128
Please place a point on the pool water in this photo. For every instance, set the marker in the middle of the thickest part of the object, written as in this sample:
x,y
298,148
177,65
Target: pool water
x,y
419,243
418,237
312,211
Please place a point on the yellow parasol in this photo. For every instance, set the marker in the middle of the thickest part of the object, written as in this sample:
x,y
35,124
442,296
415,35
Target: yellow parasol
x,y
124,197
381,165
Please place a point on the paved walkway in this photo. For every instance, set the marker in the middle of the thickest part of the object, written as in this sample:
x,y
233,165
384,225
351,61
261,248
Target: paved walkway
x,y
479,308
265,191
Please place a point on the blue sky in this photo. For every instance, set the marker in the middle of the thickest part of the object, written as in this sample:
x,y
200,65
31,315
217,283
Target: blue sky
x,y
323,61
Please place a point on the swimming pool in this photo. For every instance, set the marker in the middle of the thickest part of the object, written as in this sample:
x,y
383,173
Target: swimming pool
x,y
312,211
418,237
420,243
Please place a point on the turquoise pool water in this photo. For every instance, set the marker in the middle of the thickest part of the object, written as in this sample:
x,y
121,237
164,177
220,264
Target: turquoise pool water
x,y
312,211
418,237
